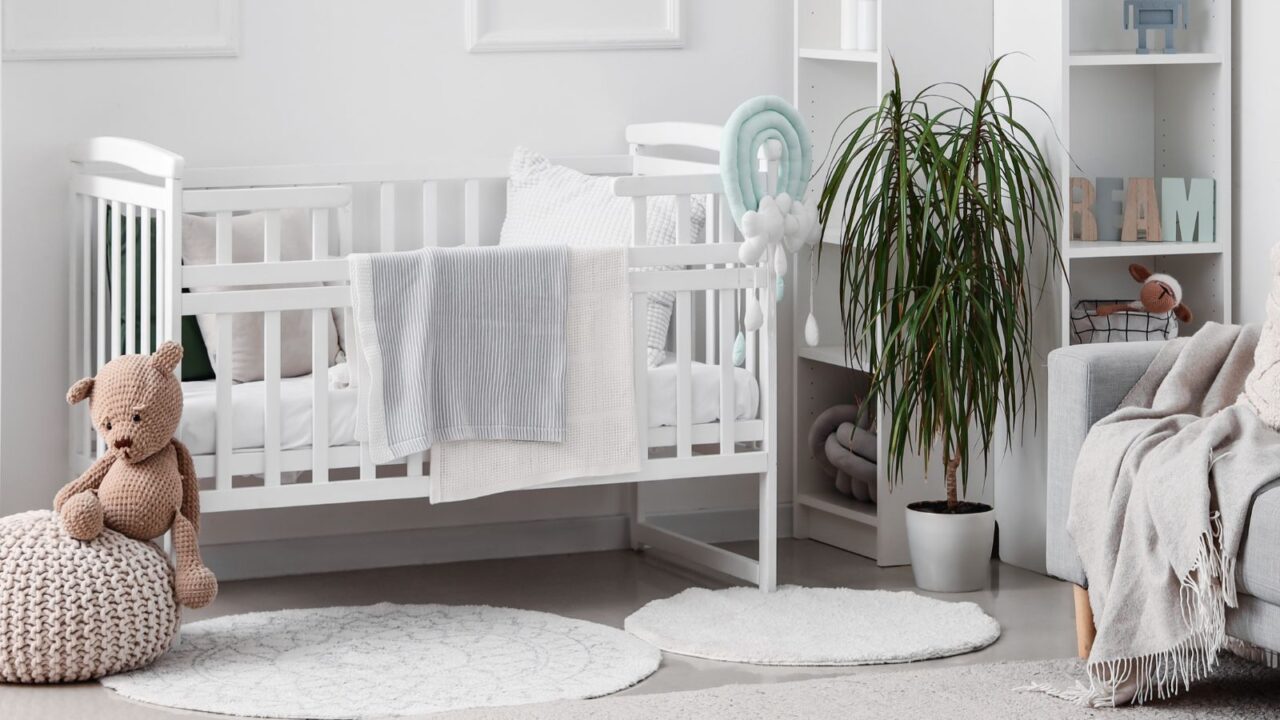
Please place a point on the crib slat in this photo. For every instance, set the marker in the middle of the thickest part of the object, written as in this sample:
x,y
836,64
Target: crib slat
x,y
684,221
355,357
471,211
130,279
639,221
709,301
684,389
222,371
222,380
430,214
102,336
117,283
640,370
728,401
86,307
148,292
321,318
271,226
387,217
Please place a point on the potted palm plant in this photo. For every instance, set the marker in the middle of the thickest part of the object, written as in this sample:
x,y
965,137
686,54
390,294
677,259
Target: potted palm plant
x,y
946,209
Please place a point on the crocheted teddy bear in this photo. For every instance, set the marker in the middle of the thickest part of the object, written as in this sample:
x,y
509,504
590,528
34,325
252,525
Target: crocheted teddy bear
x,y
145,482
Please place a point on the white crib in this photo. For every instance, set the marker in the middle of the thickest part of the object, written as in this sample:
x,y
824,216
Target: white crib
x,y
363,208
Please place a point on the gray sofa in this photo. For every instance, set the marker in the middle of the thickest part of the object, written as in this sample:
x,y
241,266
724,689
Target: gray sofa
x,y
1087,382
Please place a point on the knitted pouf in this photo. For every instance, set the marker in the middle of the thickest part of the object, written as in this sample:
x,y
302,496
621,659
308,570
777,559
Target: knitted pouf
x,y
72,610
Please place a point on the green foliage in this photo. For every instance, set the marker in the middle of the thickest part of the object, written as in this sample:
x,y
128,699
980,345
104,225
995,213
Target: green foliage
x,y
941,201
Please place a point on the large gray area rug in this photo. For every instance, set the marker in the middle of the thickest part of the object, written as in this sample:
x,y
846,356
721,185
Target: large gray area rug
x,y
1238,690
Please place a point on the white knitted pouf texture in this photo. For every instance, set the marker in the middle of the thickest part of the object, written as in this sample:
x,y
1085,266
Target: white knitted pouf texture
x,y
72,610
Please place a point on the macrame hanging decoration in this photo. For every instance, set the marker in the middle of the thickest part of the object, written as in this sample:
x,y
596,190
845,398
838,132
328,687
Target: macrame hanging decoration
x,y
773,225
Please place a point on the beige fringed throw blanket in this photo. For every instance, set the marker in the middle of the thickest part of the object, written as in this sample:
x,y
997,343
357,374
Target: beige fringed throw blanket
x,y
1158,507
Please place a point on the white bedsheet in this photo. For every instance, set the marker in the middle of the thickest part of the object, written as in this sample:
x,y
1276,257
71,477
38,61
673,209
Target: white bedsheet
x,y
198,427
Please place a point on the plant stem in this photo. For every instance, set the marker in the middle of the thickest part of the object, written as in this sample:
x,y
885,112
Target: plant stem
x,y
952,464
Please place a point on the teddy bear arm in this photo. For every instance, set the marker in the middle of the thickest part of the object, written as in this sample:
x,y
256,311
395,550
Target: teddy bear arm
x,y
89,480
190,508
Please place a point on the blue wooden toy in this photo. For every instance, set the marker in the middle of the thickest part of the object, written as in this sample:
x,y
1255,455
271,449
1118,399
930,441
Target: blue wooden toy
x,y
1156,15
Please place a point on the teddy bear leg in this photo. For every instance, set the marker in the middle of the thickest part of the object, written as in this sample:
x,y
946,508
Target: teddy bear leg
x,y
196,585
82,515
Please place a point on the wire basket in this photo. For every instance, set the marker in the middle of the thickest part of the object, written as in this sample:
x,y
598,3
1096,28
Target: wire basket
x,y
1126,326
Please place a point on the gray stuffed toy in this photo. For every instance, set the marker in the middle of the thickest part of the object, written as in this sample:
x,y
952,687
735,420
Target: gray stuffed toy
x,y
845,447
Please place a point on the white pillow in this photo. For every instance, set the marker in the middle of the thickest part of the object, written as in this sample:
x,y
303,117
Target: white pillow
x,y
199,247
553,204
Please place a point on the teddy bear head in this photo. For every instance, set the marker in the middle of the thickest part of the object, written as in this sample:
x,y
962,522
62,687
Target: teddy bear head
x,y
1160,293
135,402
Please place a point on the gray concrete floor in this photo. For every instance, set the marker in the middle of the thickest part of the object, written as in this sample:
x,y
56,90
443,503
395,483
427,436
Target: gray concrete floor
x,y
1034,611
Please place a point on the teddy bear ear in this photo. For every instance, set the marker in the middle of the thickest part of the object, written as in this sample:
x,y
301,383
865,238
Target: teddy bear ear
x,y
1183,313
1139,273
82,389
167,356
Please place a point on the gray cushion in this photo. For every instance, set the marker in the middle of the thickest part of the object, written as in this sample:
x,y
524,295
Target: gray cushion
x,y
1258,568
1086,383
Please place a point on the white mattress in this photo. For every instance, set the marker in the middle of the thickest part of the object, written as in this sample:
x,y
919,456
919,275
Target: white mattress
x,y
198,426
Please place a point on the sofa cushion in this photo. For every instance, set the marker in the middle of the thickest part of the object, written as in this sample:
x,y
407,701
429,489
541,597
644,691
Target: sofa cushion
x,y
1258,568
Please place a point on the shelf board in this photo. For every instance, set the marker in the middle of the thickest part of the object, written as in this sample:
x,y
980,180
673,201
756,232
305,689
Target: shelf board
x,y
854,56
829,354
1095,59
830,501
1115,248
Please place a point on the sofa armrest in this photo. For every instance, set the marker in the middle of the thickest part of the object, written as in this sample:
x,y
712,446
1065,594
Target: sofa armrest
x,y
1086,383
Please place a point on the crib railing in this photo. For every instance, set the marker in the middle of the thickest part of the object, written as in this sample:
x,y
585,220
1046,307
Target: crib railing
x,y
114,248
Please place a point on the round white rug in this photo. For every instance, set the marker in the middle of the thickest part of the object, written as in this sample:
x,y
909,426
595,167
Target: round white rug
x,y
812,626
383,660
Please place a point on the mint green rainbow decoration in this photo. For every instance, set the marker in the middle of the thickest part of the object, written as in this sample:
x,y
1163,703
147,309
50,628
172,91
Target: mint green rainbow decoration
x,y
754,123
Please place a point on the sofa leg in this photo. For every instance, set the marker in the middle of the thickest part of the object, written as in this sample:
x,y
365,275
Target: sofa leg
x,y
1085,630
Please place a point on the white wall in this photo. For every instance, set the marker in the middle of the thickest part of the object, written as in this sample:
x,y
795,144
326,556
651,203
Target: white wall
x,y
336,81
1257,153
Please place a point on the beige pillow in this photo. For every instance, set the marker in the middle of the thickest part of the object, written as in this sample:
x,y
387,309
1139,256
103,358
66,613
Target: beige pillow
x,y
199,247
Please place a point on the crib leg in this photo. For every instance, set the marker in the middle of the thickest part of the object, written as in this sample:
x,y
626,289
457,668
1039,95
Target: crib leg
x,y
635,516
768,572
1085,630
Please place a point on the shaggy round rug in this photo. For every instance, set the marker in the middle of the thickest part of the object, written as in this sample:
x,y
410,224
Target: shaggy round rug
x,y
385,660
812,626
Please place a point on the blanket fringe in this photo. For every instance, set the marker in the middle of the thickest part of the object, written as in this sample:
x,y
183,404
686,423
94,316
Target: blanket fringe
x,y
1207,588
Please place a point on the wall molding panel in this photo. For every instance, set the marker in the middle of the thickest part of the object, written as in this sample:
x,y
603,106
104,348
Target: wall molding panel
x,y
94,29
521,26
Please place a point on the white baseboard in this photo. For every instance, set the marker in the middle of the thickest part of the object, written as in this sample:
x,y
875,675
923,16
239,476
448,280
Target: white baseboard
x,y
425,546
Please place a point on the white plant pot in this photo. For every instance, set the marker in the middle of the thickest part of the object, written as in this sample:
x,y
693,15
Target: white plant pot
x,y
951,553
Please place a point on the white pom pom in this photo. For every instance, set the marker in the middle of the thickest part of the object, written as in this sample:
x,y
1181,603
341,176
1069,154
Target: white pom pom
x,y
751,251
767,203
784,202
754,317
780,260
791,226
793,242
811,331
773,223
751,224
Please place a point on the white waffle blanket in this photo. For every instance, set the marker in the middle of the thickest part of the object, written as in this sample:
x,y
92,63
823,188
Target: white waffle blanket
x,y
601,437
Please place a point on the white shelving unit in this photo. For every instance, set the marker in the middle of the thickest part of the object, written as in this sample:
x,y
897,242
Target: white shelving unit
x,y
952,45
1115,113
1121,114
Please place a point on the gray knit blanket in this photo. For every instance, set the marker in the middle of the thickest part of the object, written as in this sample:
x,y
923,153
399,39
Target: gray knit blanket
x,y
460,344
1159,503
